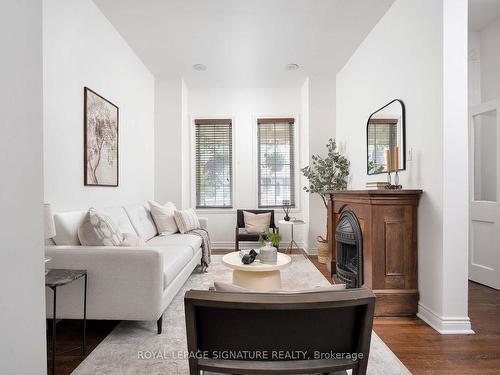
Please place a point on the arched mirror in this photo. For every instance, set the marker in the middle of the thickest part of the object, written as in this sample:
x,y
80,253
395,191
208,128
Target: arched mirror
x,y
385,130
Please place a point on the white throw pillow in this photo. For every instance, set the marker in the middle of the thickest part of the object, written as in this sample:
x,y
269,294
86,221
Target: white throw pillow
x,y
163,216
256,223
98,229
231,288
131,240
186,220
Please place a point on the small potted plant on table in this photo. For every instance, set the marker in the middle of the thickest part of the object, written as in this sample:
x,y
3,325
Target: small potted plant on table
x,y
268,253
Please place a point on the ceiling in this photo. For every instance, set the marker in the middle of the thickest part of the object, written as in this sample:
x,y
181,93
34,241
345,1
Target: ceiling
x,y
244,43
482,13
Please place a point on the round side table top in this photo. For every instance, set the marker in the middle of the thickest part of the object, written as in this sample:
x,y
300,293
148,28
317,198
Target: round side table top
x,y
233,260
292,222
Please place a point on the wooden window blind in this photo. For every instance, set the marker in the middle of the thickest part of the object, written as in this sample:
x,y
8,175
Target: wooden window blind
x,y
382,134
214,163
276,161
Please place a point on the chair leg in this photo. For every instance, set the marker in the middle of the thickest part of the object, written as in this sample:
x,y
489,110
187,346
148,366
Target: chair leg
x,y
159,324
236,242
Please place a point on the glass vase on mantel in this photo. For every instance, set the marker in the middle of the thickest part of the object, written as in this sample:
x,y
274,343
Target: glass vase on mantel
x,y
268,254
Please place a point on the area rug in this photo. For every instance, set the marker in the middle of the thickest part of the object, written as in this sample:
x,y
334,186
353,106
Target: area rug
x,y
135,348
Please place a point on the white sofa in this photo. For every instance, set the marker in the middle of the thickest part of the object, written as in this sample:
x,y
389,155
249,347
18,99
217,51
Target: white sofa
x,y
124,283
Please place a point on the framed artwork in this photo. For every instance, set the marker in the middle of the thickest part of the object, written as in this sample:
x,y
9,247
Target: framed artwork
x,y
100,140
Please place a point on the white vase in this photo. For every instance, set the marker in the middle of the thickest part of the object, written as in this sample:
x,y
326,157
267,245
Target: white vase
x,y
268,254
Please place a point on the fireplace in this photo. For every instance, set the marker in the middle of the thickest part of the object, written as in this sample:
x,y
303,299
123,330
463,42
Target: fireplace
x,y
349,250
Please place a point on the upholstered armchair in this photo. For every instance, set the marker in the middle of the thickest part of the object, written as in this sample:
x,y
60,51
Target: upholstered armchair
x,y
240,233
317,324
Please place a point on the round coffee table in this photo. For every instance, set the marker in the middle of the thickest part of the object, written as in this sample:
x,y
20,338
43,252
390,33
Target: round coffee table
x,y
256,276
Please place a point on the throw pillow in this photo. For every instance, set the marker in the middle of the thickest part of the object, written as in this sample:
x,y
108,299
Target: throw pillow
x,y
98,229
131,240
186,220
231,288
163,216
256,223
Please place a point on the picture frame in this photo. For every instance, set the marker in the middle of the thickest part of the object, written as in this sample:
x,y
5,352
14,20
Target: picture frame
x,y
101,140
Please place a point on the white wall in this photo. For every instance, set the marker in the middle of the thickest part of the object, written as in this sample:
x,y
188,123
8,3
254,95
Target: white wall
x,y
244,105
309,246
81,48
403,58
455,169
321,128
168,141
22,301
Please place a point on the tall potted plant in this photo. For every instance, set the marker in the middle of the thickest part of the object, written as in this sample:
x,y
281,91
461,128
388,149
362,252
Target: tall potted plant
x,y
323,174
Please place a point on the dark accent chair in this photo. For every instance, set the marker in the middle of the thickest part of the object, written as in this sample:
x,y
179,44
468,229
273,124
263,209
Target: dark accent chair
x,y
317,323
241,235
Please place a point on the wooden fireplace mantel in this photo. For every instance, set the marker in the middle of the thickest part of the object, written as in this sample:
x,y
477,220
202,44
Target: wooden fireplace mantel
x,y
388,221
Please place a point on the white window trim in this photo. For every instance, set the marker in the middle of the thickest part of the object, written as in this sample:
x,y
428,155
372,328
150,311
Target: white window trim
x,y
297,161
192,143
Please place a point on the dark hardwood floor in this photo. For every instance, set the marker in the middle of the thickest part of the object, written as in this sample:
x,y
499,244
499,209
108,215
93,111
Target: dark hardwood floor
x,y
424,351
418,346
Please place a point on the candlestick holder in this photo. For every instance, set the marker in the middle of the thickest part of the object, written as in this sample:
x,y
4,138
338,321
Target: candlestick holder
x,y
389,180
396,185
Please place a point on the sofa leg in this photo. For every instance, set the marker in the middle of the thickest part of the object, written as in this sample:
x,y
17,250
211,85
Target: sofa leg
x,y
159,324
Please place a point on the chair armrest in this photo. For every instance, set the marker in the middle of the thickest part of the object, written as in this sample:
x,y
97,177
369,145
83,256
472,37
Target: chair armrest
x,y
203,222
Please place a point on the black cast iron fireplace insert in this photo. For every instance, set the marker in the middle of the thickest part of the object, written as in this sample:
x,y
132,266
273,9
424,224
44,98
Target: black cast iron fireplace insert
x,y
349,250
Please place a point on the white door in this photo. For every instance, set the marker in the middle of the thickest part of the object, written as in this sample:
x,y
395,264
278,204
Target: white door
x,y
484,254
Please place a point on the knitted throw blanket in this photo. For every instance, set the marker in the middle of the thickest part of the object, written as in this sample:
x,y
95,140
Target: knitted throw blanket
x,y
206,246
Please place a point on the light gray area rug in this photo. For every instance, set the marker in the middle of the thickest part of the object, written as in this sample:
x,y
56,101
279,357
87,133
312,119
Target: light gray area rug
x,y
135,347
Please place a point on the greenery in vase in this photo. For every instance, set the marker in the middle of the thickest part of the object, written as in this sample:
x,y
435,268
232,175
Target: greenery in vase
x,y
274,238
328,173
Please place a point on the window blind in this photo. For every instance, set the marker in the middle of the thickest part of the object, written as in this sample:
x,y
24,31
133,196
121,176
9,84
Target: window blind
x,y
382,134
214,163
276,162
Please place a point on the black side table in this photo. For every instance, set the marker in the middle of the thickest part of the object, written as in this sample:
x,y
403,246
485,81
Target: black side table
x,y
60,277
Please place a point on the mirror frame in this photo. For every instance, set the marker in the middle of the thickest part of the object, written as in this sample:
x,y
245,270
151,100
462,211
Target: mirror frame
x,y
403,133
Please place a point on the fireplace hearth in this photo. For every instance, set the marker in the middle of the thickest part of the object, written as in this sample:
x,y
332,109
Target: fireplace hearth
x,y
349,250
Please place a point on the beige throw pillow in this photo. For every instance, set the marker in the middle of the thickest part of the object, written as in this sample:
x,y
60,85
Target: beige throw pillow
x,y
231,288
132,240
186,220
98,229
163,216
256,223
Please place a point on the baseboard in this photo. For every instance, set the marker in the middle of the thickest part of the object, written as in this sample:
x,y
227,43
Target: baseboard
x,y
311,250
445,325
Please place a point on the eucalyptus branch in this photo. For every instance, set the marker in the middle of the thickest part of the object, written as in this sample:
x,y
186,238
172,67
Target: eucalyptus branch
x,y
328,173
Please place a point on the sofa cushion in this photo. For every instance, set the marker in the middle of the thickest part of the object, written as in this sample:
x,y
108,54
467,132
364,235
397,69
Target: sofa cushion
x,y
177,239
163,216
132,240
120,217
256,223
99,229
67,224
175,258
186,220
231,288
141,220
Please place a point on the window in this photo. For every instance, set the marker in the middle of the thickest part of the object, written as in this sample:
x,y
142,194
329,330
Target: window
x,y
276,161
214,163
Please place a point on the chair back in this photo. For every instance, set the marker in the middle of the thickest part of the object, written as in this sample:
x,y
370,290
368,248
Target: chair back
x,y
299,331
240,218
